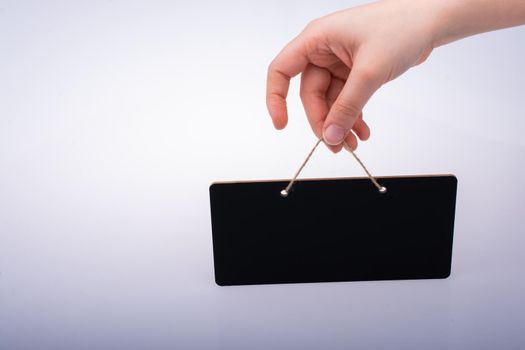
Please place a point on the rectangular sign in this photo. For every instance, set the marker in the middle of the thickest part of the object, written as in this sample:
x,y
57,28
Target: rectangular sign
x,y
330,230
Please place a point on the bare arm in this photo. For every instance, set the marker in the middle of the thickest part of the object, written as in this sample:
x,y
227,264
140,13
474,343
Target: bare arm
x,y
460,19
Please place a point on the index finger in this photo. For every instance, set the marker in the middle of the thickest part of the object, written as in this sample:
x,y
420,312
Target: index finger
x,y
291,61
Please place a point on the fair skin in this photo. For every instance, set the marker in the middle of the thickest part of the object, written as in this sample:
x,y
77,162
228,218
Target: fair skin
x,y
345,57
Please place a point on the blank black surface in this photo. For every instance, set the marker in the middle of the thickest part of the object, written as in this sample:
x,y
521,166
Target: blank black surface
x,y
333,230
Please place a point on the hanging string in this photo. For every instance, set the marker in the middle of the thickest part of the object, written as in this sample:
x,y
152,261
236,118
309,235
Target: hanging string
x,y
381,189
286,191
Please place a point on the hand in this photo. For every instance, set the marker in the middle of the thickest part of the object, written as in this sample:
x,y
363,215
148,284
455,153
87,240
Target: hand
x,y
344,58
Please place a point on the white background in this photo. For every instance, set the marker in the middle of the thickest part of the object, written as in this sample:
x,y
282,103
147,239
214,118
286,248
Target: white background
x,y
115,116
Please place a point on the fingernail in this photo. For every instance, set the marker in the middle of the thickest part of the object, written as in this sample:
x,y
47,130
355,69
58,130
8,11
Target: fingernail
x,y
334,134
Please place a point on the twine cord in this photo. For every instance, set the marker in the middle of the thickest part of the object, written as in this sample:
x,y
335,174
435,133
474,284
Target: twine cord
x,y
286,191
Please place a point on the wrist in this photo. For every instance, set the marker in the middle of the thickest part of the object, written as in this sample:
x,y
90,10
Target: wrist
x,y
446,23
455,19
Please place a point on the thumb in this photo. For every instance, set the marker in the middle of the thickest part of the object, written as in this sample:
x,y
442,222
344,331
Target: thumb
x,y
359,87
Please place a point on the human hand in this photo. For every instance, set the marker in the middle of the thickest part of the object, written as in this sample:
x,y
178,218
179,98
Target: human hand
x,y
344,58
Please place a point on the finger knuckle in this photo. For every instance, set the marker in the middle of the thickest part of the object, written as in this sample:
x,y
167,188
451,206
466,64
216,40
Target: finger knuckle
x,y
272,67
302,93
346,109
273,98
315,31
307,94
313,24
368,73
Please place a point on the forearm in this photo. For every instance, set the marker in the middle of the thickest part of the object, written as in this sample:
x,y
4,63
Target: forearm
x,y
458,19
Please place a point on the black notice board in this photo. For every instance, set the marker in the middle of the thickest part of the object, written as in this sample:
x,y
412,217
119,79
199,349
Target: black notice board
x,y
331,230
